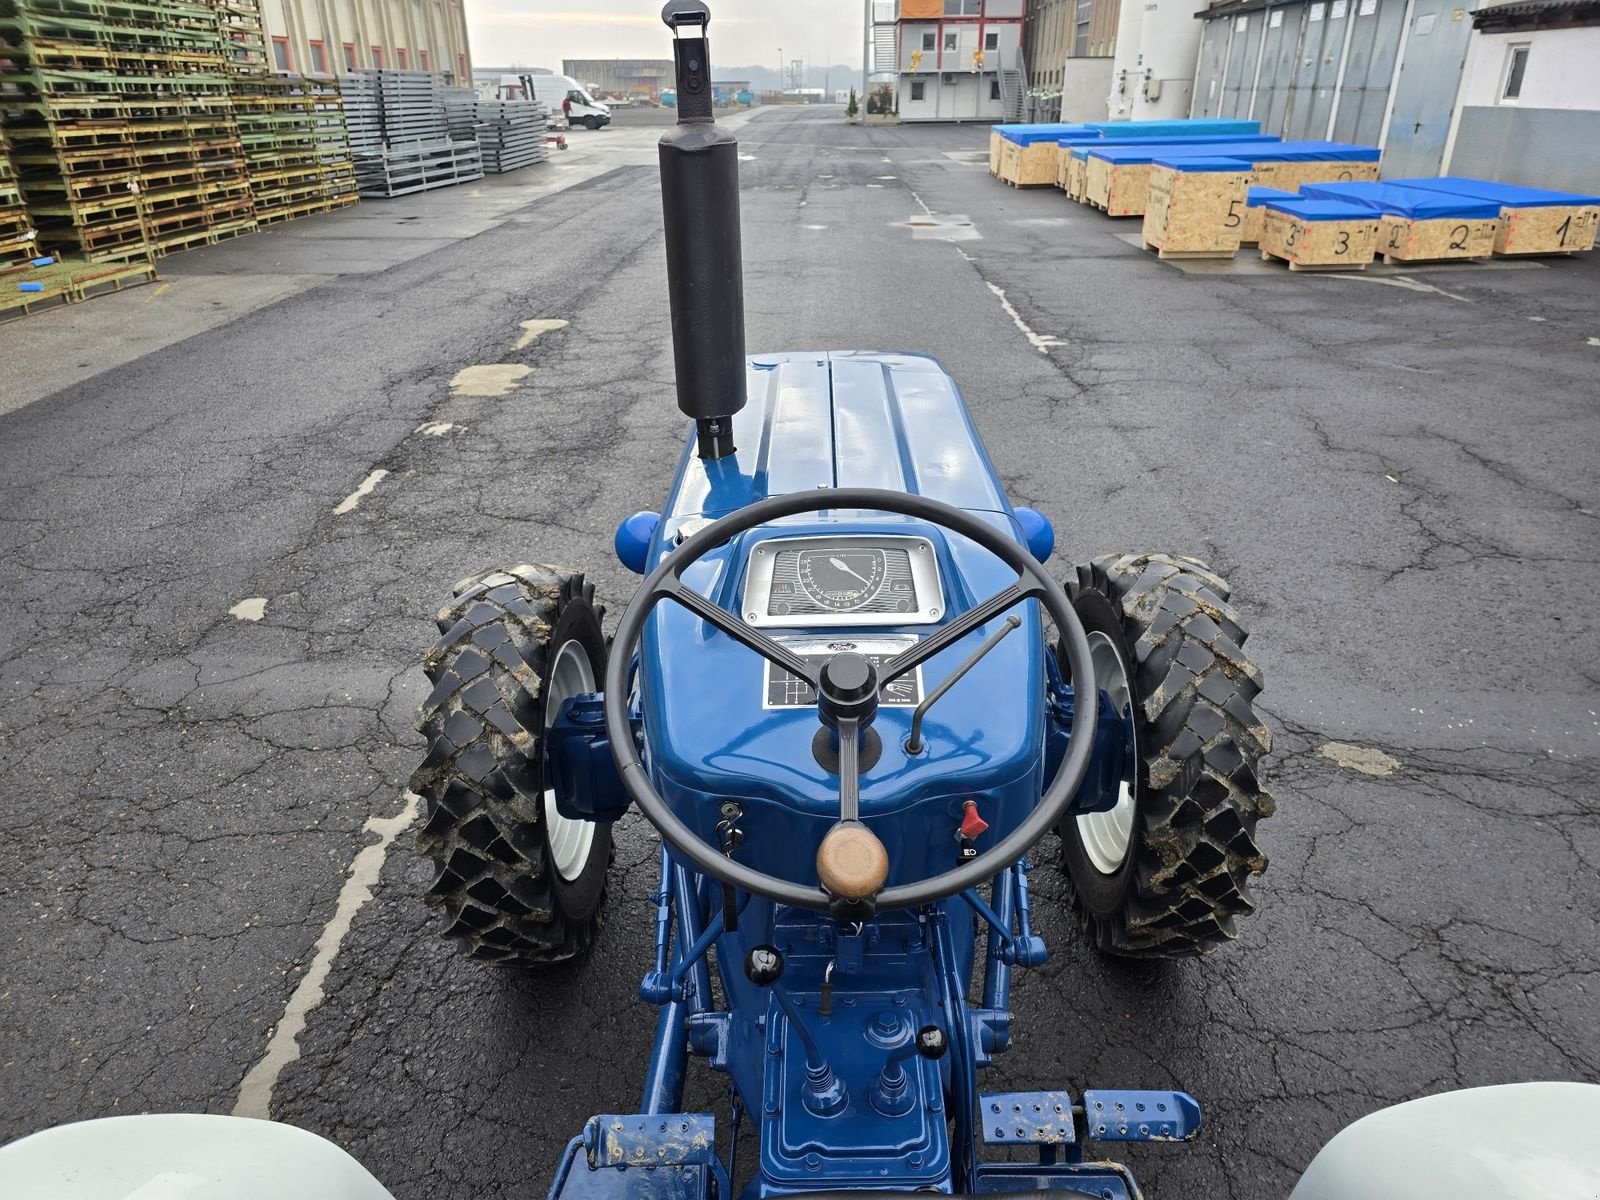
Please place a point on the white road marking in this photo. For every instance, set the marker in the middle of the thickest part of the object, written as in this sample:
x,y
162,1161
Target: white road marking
x,y
490,379
349,503
1594,341
1041,342
435,428
888,177
251,609
1364,759
283,1047
747,158
1538,318
1410,285
876,186
814,228
532,331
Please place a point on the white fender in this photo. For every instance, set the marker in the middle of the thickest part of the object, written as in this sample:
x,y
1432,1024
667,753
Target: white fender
x,y
1520,1141
181,1157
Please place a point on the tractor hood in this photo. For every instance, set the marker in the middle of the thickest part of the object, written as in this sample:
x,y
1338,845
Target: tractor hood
x,y
843,419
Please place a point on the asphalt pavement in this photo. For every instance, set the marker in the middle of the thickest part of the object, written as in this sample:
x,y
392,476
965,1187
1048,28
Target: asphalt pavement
x,y
215,607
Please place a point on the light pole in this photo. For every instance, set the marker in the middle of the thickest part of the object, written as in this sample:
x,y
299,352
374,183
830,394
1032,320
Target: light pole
x,y
780,72
866,50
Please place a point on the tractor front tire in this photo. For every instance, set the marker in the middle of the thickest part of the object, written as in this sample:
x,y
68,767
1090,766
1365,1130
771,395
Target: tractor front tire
x,y
518,883
1165,873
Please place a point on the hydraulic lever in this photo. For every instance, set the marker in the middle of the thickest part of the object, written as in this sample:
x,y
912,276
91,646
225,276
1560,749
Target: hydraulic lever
x,y
914,742
823,1094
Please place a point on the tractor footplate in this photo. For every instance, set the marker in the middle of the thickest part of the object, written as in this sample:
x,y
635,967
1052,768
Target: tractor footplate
x,y
678,1153
1119,1116
1027,1118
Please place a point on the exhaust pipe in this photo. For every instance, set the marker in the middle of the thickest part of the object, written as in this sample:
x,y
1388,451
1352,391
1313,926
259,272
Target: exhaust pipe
x,y
705,265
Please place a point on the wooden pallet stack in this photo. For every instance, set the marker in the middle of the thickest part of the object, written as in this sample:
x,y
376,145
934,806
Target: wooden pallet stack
x,y
16,231
124,135
297,157
400,134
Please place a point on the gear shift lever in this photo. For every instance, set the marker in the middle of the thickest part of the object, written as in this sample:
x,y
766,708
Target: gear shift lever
x,y
822,1093
891,1095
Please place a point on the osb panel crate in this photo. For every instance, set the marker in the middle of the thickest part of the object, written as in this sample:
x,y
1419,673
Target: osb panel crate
x,y
1402,239
1195,213
996,147
1063,166
1077,176
1559,229
1028,166
1119,189
1292,176
1342,245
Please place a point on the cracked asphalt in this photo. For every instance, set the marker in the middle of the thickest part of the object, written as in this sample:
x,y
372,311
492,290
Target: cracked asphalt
x,y
1398,471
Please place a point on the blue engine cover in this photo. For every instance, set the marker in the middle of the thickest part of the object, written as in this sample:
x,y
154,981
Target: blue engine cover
x,y
817,421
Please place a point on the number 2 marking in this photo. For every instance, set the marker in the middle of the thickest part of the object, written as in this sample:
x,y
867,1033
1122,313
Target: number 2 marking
x,y
1458,237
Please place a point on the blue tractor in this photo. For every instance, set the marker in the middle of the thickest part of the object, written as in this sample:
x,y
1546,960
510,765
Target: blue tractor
x,y
853,701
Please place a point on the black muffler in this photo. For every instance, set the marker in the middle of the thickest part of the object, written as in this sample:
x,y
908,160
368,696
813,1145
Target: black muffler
x,y
705,265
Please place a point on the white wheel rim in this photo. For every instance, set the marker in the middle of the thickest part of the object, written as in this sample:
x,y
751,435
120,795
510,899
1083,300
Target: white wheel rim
x,y
1107,836
570,841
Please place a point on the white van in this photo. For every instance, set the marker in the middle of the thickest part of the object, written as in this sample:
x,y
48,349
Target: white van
x,y
551,90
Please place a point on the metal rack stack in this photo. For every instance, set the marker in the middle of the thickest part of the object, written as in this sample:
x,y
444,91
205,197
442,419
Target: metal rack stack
x,y
400,134
297,157
16,231
511,133
122,126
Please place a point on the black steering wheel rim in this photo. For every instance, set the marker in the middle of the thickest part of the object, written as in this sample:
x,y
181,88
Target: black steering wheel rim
x,y
659,585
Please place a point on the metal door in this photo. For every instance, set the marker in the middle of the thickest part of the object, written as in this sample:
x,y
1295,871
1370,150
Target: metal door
x,y
1213,63
1430,74
1243,53
1335,27
1364,94
1285,26
1303,80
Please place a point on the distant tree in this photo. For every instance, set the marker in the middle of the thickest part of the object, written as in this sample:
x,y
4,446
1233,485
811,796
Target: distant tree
x,y
852,108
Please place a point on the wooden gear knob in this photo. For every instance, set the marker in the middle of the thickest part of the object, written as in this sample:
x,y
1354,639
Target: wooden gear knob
x,y
852,863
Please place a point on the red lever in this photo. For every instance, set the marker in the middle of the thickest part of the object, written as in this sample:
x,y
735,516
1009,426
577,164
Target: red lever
x,y
971,823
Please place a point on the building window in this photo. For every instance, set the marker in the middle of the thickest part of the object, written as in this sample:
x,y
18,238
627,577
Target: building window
x,y
400,58
963,8
1080,36
991,41
319,59
1516,66
280,54
929,39
423,55
919,90
994,88
952,42
349,56
377,57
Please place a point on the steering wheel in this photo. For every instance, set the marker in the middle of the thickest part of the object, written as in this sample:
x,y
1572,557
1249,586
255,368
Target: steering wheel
x,y
852,863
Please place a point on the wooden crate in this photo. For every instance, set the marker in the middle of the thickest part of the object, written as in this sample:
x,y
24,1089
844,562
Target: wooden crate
x,y
1292,176
1195,213
1063,166
996,147
1403,239
1028,166
1118,189
1077,176
1556,229
1255,211
1346,244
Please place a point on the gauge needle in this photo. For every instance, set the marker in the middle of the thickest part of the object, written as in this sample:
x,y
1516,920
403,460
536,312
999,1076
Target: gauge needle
x,y
841,565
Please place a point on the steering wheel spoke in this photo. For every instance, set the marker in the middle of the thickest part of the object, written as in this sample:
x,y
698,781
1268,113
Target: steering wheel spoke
x,y
774,651
909,659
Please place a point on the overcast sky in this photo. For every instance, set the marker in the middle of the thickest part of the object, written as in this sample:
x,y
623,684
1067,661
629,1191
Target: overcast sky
x,y
540,33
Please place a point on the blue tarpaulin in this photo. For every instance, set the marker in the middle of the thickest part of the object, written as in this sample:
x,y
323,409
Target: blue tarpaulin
x,y
1175,128
1029,135
1506,195
1205,163
1257,196
1200,139
1320,210
1404,201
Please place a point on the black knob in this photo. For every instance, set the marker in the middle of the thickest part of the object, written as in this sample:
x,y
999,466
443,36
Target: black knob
x,y
763,966
931,1042
848,678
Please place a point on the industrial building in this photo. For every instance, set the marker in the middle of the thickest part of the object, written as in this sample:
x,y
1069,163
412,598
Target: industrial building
x,y
1069,44
330,37
954,60
621,76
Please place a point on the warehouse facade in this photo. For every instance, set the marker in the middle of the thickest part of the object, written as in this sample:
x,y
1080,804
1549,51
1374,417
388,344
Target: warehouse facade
x,y
1529,107
330,37
621,76
1069,46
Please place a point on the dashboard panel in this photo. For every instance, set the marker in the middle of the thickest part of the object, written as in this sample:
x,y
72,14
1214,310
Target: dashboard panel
x,y
843,579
